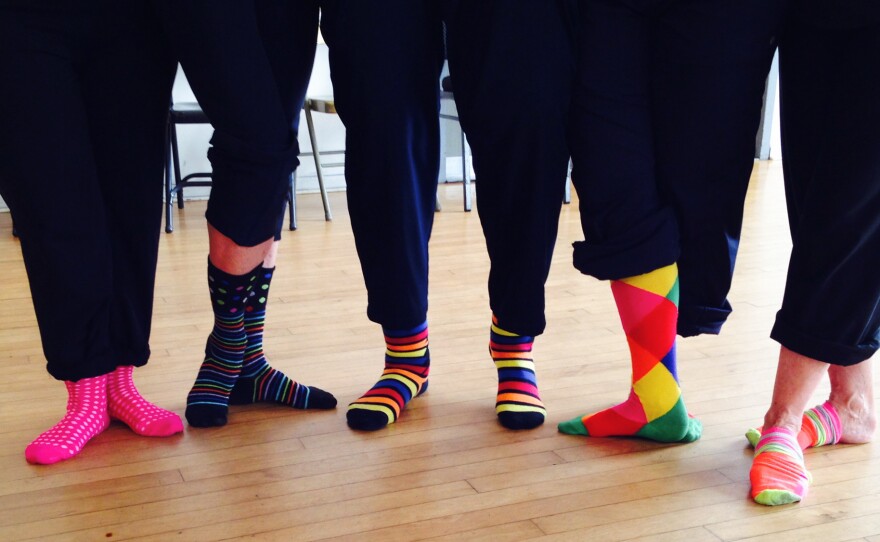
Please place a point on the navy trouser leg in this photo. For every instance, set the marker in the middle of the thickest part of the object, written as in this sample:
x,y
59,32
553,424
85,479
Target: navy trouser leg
x,y
628,230
512,64
831,156
289,31
709,69
253,148
83,102
385,59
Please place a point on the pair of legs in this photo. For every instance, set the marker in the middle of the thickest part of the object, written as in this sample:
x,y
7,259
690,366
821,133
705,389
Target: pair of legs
x,y
829,322
511,64
83,104
253,152
666,106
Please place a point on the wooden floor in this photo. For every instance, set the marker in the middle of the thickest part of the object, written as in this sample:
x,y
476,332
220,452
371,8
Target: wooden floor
x,y
447,470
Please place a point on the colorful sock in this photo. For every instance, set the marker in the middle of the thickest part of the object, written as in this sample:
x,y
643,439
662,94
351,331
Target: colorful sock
x,y
258,381
86,417
517,404
778,474
407,363
208,402
648,307
820,426
125,403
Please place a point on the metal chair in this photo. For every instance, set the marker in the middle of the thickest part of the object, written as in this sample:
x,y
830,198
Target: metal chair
x,y
175,183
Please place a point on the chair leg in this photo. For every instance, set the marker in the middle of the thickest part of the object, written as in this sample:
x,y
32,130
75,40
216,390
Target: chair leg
x,y
175,155
169,206
566,198
465,174
317,156
291,200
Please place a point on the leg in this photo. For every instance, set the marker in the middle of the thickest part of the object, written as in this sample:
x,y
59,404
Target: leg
x,y
511,65
385,60
630,235
707,54
138,66
824,321
253,152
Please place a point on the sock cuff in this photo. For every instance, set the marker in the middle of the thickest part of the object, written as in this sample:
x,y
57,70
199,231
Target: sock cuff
x,y
217,274
826,424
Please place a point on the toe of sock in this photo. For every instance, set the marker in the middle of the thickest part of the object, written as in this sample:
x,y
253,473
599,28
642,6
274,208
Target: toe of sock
x,y
170,425
42,454
320,399
694,430
520,420
365,420
776,497
573,426
206,416
753,436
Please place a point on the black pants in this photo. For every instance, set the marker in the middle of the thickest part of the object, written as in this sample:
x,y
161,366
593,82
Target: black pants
x,y
83,100
512,63
253,148
666,109
385,60
830,97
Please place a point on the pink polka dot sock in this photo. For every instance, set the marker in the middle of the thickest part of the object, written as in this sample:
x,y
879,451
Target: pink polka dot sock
x,y
125,403
86,417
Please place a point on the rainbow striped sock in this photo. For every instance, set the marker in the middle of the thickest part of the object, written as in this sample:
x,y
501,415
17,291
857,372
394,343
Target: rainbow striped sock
x,y
778,474
517,404
407,363
648,307
208,402
260,382
820,426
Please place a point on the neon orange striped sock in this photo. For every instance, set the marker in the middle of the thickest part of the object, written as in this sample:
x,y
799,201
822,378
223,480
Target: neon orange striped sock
x,y
820,426
648,307
778,473
407,363
518,404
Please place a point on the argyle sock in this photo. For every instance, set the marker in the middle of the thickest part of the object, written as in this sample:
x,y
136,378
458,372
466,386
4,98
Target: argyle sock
x,y
648,307
407,363
778,474
820,426
258,381
125,403
207,404
517,405
86,417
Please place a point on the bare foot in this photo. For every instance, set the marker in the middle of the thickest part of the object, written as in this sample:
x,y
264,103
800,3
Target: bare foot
x,y
858,421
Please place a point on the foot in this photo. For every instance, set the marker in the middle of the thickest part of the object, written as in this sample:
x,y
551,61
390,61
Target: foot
x,y
272,386
629,419
518,404
407,364
86,417
125,403
778,474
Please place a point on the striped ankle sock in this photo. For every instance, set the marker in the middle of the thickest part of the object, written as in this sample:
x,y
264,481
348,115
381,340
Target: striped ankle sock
x,y
207,404
86,417
778,474
820,426
517,404
407,363
260,382
648,307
